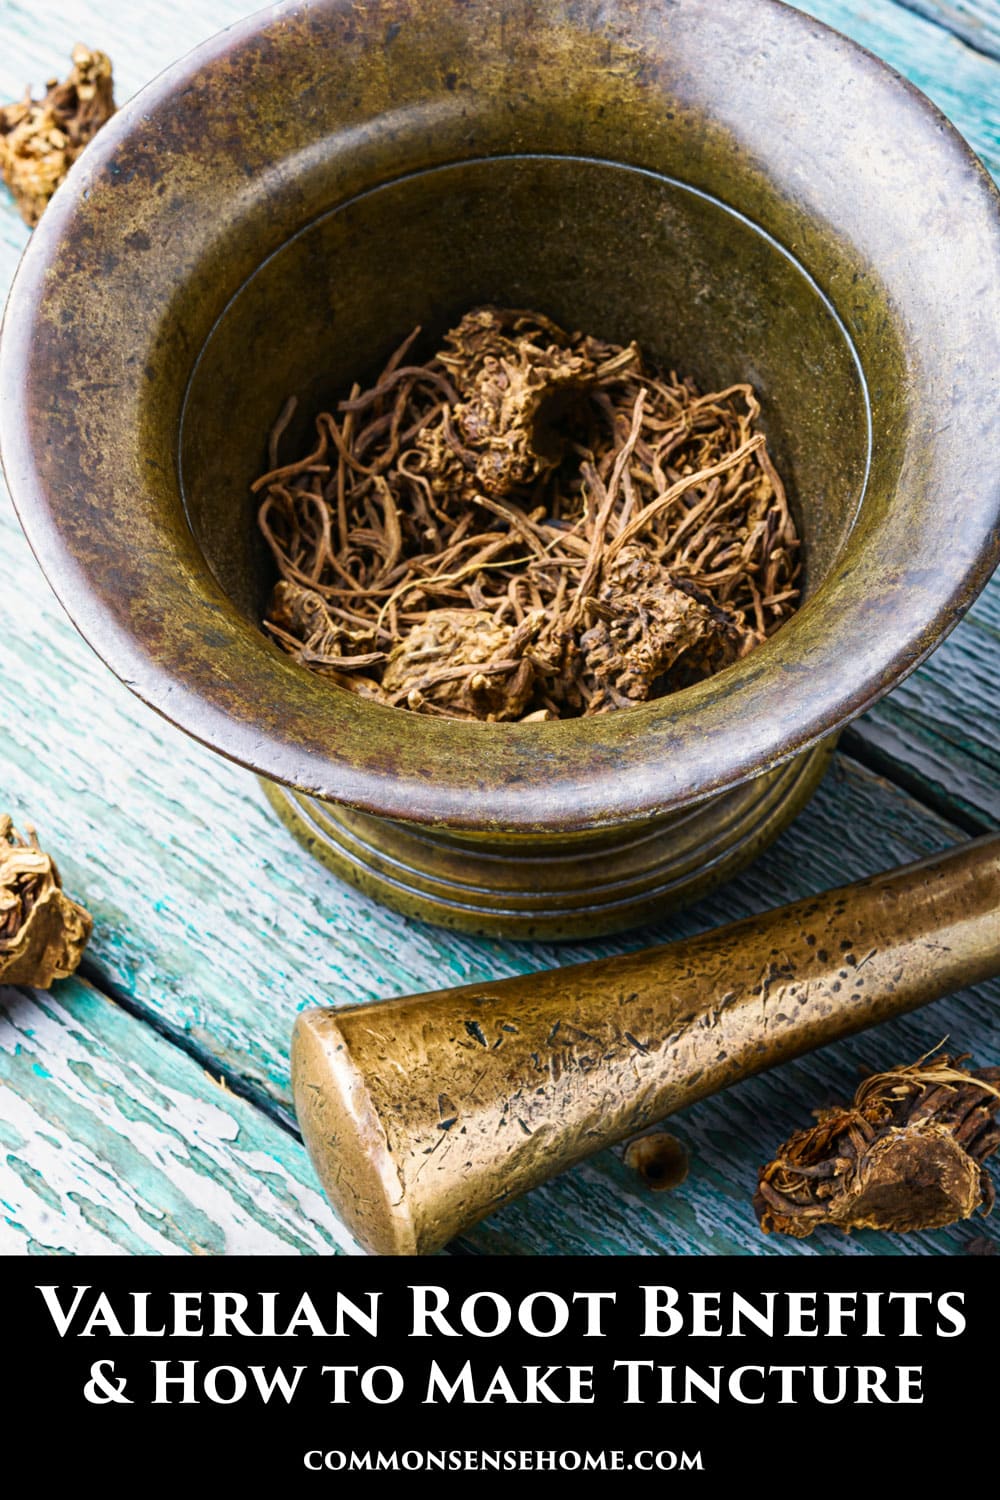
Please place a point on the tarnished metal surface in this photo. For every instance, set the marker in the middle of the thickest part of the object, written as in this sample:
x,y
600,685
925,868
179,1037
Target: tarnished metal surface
x,y
581,885
424,1114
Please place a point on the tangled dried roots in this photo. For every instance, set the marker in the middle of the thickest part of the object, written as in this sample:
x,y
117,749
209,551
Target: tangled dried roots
x,y
531,525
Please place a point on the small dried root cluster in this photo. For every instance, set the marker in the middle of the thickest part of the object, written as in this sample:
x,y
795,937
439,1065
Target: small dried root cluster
x,y
907,1154
40,139
533,525
42,932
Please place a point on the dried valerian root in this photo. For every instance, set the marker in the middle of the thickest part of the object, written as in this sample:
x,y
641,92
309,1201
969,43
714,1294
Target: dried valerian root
x,y
532,525
661,1160
40,139
646,624
907,1154
431,666
511,389
42,932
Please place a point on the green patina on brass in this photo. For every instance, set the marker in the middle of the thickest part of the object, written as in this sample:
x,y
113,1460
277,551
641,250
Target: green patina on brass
x,y
742,191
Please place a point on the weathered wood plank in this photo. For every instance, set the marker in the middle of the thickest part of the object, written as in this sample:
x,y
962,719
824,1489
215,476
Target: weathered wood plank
x,y
976,22
112,1140
916,758
956,692
986,609
940,729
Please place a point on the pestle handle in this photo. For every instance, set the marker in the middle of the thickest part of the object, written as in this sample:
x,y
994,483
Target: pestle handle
x,y
425,1113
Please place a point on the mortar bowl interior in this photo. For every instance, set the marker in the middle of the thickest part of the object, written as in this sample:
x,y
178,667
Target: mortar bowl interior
x,y
609,249
747,195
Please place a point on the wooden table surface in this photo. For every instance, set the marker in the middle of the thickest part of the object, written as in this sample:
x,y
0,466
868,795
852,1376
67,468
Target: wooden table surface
x,y
145,1103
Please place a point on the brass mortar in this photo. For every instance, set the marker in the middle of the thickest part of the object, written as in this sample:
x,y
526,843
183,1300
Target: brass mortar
x,y
744,192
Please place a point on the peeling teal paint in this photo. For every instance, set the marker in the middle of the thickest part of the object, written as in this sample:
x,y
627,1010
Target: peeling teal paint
x,y
35,1181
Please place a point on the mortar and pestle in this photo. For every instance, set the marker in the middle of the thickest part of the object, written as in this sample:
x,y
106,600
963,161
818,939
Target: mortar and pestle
x,y
743,192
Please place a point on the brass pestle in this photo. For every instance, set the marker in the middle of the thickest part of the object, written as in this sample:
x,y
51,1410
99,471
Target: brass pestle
x,y
424,1114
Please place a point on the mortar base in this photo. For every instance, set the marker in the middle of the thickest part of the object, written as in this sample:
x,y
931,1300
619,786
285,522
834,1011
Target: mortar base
x,y
553,886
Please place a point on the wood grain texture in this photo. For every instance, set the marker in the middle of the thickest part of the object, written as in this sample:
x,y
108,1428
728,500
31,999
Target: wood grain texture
x,y
217,927
976,22
938,731
142,1151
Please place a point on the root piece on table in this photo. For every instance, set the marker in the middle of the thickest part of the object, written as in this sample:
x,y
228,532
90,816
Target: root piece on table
x,y
42,932
907,1154
40,139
